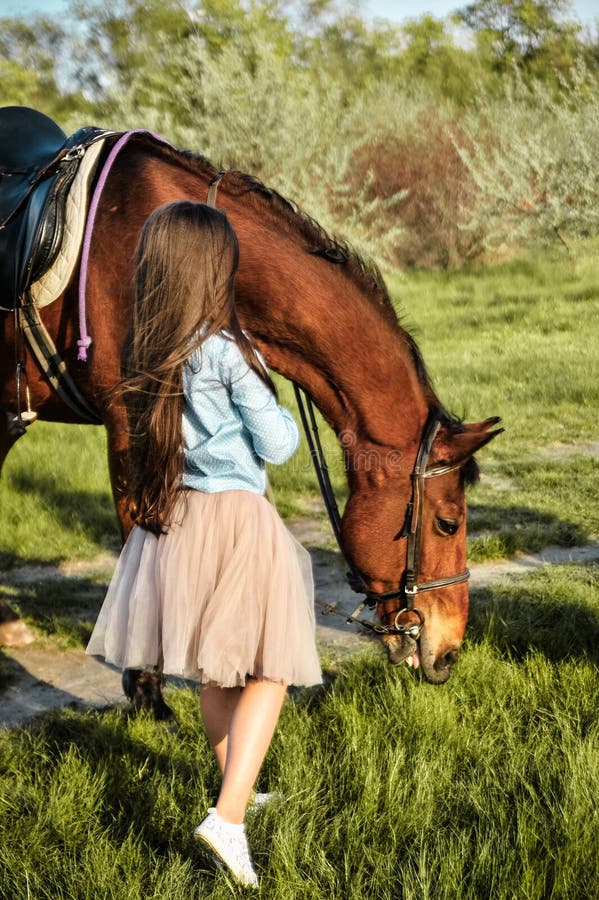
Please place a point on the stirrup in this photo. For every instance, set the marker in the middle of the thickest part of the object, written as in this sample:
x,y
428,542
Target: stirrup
x,y
17,423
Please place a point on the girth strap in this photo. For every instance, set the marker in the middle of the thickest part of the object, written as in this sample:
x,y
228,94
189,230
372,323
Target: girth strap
x,y
53,366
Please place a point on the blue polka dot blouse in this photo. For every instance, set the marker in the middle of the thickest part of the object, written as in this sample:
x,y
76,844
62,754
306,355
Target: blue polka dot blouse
x,y
232,423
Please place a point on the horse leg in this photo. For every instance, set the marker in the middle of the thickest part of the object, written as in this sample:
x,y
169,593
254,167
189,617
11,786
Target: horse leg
x,y
8,436
13,630
142,687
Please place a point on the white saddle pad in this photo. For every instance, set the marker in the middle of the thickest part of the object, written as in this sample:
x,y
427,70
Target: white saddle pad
x,y
53,282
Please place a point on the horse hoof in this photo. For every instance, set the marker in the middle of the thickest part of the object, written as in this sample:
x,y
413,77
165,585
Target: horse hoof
x,y
143,688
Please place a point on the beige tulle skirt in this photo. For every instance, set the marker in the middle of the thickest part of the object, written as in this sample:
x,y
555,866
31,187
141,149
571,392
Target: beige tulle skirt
x,y
227,593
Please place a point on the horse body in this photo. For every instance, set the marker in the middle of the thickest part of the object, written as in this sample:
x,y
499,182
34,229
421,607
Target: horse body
x,y
322,319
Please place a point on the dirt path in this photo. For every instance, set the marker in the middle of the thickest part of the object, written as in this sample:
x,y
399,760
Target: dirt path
x,y
45,678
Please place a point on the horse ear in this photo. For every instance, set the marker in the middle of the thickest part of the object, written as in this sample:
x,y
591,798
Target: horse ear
x,y
454,449
484,426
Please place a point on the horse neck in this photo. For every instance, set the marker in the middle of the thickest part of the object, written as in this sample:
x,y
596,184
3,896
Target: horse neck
x,y
319,328
328,326
321,324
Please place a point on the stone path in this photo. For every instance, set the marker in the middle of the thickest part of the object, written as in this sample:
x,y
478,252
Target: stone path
x,y
46,677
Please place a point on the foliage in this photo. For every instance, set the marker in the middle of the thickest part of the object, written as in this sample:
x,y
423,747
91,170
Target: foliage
x,y
29,76
431,58
535,183
245,108
533,35
411,154
404,139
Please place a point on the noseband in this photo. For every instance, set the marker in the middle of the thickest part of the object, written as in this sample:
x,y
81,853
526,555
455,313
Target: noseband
x,y
412,529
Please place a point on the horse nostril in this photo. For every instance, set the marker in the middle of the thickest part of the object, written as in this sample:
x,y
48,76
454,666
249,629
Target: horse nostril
x,y
447,661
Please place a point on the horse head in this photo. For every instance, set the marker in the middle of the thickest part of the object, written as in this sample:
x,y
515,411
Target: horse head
x,y
404,530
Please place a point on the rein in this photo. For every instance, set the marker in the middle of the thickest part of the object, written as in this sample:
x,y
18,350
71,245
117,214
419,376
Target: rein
x,y
85,340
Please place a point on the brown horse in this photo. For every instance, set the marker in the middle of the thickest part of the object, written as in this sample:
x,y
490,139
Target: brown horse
x,y
323,318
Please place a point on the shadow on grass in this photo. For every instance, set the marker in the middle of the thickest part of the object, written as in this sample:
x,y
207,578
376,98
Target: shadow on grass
x,y
59,606
43,596
521,617
10,560
500,531
131,759
7,672
88,512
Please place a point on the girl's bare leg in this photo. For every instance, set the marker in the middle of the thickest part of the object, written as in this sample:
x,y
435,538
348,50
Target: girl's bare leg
x,y
252,714
218,705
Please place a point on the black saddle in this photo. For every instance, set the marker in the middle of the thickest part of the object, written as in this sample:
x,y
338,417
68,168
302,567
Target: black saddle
x,y
38,163
29,140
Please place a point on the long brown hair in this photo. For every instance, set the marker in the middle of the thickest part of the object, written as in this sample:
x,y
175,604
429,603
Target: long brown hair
x,y
186,262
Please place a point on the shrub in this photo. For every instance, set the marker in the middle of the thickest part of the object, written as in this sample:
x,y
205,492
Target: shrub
x,y
404,179
538,179
420,160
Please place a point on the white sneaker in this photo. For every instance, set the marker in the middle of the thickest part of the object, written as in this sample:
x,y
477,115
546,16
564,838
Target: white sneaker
x,y
229,844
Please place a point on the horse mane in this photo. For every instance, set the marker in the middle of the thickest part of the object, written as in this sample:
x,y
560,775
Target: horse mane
x,y
289,215
319,242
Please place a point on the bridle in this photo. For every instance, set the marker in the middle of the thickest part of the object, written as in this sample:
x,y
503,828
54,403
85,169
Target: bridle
x,y
410,587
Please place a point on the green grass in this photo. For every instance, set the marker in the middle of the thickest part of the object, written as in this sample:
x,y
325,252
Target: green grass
x,y
525,506
55,496
396,789
486,787
517,340
64,609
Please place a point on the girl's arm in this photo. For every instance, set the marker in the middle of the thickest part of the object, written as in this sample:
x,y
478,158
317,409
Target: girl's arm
x,y
274,433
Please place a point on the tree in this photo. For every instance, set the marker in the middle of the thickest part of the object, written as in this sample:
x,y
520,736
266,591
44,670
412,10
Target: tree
x,y
431,57
533,35
29,49
345,48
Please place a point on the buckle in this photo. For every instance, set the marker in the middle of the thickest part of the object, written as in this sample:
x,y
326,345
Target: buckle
x,y
74,153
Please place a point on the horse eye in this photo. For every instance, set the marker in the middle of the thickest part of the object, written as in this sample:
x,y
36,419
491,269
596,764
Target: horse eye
x,y
446,526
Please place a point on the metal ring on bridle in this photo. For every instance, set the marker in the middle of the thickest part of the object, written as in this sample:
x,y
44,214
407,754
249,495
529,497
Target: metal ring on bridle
x,y
413,631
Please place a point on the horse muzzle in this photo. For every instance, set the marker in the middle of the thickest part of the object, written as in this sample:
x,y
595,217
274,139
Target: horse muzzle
x,y
403,648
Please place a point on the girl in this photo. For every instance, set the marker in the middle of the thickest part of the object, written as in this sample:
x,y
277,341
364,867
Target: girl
x,y
210,585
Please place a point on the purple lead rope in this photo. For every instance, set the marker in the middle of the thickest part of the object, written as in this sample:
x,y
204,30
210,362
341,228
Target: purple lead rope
x,y
84,339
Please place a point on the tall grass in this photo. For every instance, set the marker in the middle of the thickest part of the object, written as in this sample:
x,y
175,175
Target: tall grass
x,y
394,789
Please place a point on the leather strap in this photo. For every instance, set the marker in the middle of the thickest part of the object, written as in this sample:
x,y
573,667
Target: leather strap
x,y
53,366
419,476
213,188
412,528
39,176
